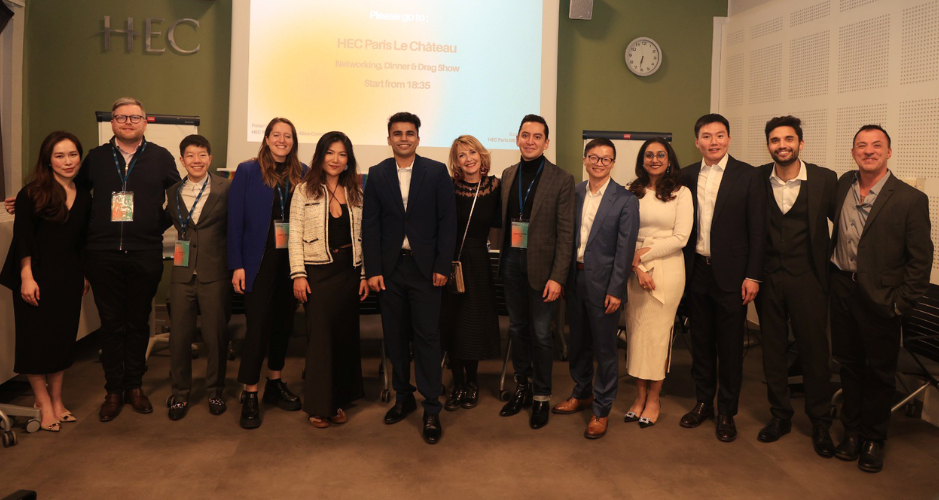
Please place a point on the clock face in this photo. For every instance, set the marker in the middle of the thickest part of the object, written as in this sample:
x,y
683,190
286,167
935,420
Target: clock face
x,y
643,56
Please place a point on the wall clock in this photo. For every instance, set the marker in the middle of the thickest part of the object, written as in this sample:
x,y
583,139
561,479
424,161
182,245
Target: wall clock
x,y
643,56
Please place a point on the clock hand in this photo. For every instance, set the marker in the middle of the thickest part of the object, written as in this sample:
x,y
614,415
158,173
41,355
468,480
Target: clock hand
x,y
641,59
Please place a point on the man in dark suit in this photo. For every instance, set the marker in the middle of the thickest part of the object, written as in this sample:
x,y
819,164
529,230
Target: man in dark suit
x,y
606,224
795,287
882,256
408,238
200,280
724,265
537,241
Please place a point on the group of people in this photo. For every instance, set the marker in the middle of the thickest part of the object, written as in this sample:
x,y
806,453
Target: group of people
x,y
718,233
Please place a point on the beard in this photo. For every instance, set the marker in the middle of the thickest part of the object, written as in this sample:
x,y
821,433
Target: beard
x,y
792,159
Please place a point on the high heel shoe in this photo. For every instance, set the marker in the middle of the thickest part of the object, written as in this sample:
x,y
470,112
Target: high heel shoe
x,y
631,417
645,422
54,427
67,417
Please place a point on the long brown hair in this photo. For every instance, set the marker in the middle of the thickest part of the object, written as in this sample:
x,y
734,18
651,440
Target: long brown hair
x,y
315,178
47,194
669,183
269,166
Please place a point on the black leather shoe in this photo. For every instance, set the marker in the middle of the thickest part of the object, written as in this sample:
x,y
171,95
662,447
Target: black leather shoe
x,y
400,410
726,430
775,429
471,399
216,406
432,429
697,415
849,449
539,414
455,399
250,411
872,457
821,441
178,410
521,399
276,393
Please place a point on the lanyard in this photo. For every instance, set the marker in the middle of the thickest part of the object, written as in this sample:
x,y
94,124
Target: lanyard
x,y
185,222
130,167
521,200
283,196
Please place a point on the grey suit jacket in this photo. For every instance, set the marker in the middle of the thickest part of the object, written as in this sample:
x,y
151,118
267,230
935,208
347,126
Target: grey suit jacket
x,y
551,229
895,252
208,250
608,257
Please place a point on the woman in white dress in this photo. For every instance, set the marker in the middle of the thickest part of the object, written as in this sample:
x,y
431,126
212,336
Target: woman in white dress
x,y
666,215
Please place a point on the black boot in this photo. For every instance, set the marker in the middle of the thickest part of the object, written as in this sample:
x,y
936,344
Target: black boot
x,y
472,396
455,399
276,393
250,411
521,399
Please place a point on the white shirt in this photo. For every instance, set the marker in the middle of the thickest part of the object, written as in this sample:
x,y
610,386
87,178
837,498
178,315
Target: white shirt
x,y
709,181
127,156
188,192
786,192
404,181
588,214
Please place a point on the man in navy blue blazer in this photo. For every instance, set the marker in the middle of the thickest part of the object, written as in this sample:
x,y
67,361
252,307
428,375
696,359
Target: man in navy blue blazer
x,y
408,238
606,223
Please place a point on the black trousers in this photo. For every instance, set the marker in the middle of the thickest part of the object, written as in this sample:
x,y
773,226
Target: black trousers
x,y
124,283
800,300
411,299
867,346
717,328
269,315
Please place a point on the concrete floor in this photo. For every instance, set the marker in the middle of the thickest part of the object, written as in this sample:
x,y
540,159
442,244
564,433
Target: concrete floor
x,y
481,454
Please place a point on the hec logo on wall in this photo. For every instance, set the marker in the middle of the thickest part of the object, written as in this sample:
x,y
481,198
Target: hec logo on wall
x,y
150,25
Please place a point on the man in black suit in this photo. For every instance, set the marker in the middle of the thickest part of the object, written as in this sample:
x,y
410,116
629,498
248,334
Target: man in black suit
x,y
724,265
800,201
408,238
882,256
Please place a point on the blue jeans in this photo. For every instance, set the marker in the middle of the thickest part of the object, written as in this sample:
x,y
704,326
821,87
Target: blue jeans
x,y
529,325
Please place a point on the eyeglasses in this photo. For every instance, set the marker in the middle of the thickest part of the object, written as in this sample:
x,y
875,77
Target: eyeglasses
x,y
660,155
135,119
606,162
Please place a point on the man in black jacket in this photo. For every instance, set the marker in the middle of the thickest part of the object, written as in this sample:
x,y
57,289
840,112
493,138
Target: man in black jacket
x,y
800,202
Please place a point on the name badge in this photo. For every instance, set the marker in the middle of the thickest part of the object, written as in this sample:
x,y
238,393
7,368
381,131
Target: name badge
x,y
122,206
281,233
519,234
181,254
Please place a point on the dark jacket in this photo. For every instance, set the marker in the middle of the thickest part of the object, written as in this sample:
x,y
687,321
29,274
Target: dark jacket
x,y
208,239
154,171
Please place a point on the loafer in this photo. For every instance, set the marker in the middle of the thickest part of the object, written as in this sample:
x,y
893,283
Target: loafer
x,y
871,458
455,399
216,406
400,410
821,441
138,400
539,414
319,422
596,428
775,429
276,393
471,398
339,418
848,449
178,410
432,429
697,415
726,429
111,407
572,405
250,411
521,399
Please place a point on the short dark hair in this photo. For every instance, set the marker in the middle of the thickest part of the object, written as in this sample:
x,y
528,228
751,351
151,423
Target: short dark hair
x,y
536,119
600,141
194,140
405,117
709,119
784,121
871,127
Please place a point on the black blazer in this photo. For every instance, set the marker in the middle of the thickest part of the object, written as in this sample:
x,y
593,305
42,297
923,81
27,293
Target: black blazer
x,y
822,184
895,252
429,222
738,228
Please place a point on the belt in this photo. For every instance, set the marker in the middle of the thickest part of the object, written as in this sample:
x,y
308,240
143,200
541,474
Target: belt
x,y
703,259
338,249
406,252
847,274
580,266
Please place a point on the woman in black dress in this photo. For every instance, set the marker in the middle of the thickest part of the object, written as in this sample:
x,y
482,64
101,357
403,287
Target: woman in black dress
x,y
326,266
44,270
468,322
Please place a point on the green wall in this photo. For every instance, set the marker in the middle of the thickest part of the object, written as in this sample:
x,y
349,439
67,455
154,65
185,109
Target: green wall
x,y
597,92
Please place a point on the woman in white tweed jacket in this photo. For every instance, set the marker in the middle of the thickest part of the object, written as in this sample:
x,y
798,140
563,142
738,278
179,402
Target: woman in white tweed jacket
x,y
325,247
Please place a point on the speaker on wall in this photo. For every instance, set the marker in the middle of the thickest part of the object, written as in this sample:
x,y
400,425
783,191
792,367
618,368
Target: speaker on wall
x,y
581,9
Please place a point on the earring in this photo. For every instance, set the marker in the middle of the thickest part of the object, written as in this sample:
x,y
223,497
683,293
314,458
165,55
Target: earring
x,y
668,168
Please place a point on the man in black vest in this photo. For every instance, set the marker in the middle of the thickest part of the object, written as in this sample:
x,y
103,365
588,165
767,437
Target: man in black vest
x,y
795,284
